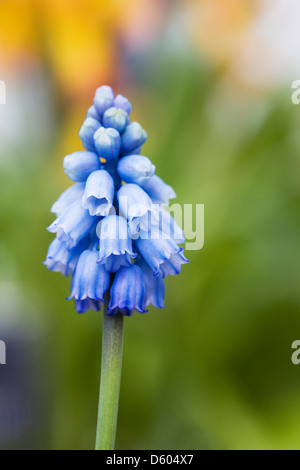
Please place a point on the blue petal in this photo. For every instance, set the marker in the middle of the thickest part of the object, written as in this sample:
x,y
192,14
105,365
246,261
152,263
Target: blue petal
x,y
107,143
80,165
115,118
62,259
172,266
71,194
137,207
128,291
121,102
73,224
114,238
104,99
115,244
133,201
83,306
91,112
140,227
155,286
99,193
163,256
133,137
135,169
113,262
87,131
91,280
158,190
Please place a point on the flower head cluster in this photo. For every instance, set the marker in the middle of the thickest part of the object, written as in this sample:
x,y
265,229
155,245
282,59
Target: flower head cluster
x,y
112,233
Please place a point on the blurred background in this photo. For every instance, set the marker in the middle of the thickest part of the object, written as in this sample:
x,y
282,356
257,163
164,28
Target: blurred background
x,y
210,81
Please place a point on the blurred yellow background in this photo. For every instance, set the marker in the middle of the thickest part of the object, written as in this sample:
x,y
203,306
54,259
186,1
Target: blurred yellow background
x,y
210,81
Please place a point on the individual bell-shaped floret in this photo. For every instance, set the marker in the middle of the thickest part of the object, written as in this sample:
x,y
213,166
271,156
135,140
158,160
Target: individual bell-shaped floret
x,y
154,285
115,244
107,142
158,190
90,282
135,169
127,292
104,99
62,259
79,165
137,207
163,255
121,102
87,131
133,137
70,195
91,112
73,224
115,118
99,193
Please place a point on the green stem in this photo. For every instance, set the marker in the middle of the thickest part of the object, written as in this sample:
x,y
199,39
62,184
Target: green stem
x,y
111,366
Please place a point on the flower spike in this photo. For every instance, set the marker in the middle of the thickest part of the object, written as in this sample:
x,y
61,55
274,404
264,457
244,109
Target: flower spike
x,y
113,234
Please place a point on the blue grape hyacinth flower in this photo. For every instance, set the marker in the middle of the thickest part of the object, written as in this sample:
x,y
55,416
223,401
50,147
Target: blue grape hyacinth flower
x,y
113,235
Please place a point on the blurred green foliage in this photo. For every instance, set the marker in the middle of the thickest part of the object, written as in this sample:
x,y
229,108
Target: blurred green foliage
x,y
213,370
